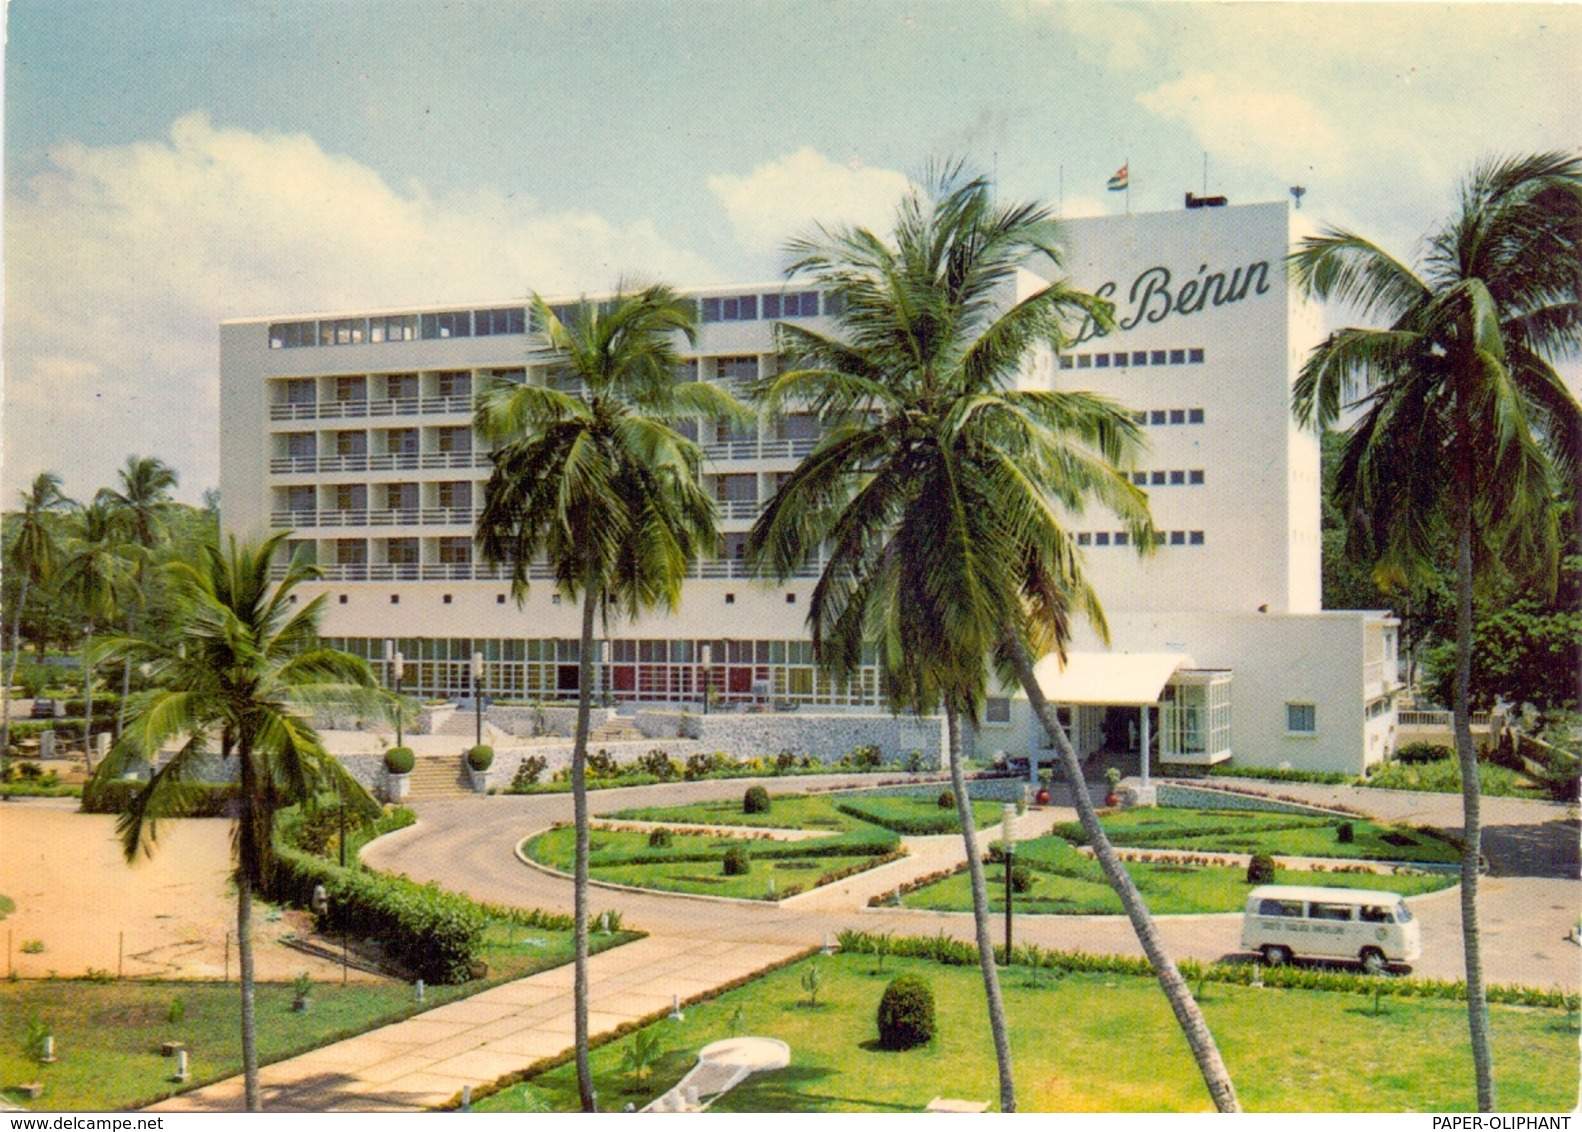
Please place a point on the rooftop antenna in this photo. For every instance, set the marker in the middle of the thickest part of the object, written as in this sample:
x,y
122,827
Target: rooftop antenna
x,y
1298,191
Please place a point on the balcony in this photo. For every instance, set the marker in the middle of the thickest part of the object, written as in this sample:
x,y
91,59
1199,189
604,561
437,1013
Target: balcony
x,y
377,462
482,572
357,409
757,449
304,517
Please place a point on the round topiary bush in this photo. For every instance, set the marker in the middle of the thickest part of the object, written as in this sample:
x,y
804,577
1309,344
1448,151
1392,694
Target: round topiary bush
x,y
659,839
906,1013
1260,870
755,801
400,760
481,757
1021,879
1345,833
947,800
737,863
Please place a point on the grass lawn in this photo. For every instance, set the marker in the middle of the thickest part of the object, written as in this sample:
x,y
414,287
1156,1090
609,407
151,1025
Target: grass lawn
x,y
1242,831
1090,1043
838,813
1066,883
694,863
107,1034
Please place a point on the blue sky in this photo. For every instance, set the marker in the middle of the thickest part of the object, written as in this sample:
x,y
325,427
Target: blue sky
x,y
172,164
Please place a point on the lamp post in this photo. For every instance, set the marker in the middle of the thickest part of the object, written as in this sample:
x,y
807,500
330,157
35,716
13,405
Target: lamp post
x,y
395,669
1008,836
706,653
477,697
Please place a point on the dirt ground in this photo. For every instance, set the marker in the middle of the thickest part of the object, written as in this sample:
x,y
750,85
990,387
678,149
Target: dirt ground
x,y
172,915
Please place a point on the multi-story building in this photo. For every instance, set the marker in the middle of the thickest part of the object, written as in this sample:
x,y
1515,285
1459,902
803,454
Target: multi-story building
x,y
353,431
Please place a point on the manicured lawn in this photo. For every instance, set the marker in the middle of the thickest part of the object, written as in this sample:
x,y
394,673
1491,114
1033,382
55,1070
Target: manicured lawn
x,y
834,812
107,1035
694,863
1293,835
1091,1043
1066,883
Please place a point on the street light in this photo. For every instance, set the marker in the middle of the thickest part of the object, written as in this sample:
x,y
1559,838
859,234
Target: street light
x,y
1008,836
395,668
477,696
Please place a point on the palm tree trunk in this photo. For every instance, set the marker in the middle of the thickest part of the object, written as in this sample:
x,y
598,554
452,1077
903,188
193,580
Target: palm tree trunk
x,y
1472,832
16,657
87,699
579,803
1189,1016
980,916
248,851
126,680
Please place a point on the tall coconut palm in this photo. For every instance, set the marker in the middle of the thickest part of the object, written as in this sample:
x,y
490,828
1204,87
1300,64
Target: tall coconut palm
x,y
99,575
248,661
1465,426
599,485
937,490
142,502
33,556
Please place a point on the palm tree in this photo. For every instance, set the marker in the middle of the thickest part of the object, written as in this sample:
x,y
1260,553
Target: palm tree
x,y
1465,426
936,490
601,486
34,556
99,574
144,498
248,661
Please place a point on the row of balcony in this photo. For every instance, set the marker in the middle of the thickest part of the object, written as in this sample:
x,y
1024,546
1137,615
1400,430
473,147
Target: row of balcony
x,y
362,407
482,572
766,449
365,517
378,462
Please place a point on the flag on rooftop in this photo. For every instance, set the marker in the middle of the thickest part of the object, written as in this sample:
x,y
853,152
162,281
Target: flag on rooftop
x,y
1118,182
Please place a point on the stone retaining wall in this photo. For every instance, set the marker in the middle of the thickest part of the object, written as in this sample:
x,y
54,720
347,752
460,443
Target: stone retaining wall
x,y
826,737
1207,798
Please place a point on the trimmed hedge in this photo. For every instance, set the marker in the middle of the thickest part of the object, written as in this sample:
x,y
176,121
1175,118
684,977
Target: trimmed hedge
x,y
736,862
481,757
435,934
400,760
755,801
203,799
920,825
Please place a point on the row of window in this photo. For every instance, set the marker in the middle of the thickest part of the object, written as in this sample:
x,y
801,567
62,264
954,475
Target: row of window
x,y
1122,359
1173,477
1167,416
1121,538
747,308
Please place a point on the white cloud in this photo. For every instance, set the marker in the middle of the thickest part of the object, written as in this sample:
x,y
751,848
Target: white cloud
x,y
1246,122
786,196
122,260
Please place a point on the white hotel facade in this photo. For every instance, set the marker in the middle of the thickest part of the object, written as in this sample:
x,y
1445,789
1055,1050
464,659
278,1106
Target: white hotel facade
x,y
353,431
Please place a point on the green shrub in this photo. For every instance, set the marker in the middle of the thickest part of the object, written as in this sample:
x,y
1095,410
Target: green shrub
x,y
1422,753
400,760
736,862
529,771
435,934
1345,833
197,799
1260,870
602,764
863,758
1021,879
906,1013
755,801
784,761
660,839
947,800
481,757
658,763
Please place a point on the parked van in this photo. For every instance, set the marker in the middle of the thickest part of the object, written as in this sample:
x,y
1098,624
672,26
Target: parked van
x,y
1375,928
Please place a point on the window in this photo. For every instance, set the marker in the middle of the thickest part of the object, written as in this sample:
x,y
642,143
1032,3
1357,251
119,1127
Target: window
x,y
351,388
1140,478
301,444
1102,361
300,499
1121,538
1178,416
1157,358
1195,355
1159,477
455,551
1120,358
997,709
1178,357
733,308
394,328
1177,477
1156,417
1195,538
447,324
454,383
1066,361
737,488
1195,476
1372,914
1301,719
801,304
1084,538
799,426
351,444
351,497
455,495
342,331
737,371
508,320
401,386
351,552
1194,416
1084,361
833,305
1177,538
1139,357
457,438
401,496
1317,911
400,441
1140,416
301,391
1102,539
401,551
288,335
1284,908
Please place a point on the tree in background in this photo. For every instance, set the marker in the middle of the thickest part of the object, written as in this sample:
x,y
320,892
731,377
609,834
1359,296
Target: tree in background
x,y
32,555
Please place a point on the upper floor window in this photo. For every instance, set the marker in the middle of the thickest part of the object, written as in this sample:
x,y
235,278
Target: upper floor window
x,y
301,391
732,308
1301,719
287,335
401,386
454,383
457,439
351,388
392,328
799,304
507,320
447,324
997,709
737,371
342,331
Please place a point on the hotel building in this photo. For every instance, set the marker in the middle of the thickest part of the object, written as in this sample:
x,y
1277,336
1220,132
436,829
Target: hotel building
x,y
353,430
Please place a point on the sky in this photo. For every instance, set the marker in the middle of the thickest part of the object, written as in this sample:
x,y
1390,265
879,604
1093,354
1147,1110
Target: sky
x,y
169,165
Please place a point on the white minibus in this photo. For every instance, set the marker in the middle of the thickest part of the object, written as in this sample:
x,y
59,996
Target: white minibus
x,y
1285,920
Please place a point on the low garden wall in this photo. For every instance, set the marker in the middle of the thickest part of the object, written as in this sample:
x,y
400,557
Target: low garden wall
x,y
1205,798
826,737
527,721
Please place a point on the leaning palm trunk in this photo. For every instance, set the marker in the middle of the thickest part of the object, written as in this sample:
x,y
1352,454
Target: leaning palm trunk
x,y
980,916
16,656
1472,832
248,852
579,803
1188,1015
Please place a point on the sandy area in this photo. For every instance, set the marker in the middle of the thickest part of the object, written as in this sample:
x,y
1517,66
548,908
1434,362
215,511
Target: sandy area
x,y
168,915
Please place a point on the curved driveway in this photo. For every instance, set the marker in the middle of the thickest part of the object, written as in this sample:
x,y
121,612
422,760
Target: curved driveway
x,y
1530,900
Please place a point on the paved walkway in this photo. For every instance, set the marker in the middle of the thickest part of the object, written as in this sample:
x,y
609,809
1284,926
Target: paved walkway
x,y
1529,903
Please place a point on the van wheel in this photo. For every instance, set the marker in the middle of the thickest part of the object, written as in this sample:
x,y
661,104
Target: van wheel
x,y
1276,956
1373,961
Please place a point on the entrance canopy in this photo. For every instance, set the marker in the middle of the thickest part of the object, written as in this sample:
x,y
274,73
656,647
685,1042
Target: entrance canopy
x,y
1115,679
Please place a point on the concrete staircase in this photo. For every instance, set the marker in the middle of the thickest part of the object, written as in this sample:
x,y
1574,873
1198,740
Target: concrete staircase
x,y
615,730
463,725
439,776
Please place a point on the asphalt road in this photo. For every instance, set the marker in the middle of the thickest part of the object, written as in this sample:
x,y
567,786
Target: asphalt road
x,y
1529,901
